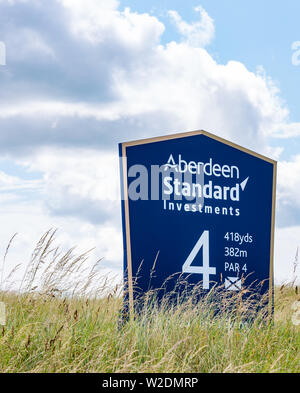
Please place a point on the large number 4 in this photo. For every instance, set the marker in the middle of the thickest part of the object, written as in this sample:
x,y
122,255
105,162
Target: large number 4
x,y
205,270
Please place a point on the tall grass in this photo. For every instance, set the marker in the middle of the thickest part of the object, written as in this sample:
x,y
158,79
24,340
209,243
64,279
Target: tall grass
x,y
66,318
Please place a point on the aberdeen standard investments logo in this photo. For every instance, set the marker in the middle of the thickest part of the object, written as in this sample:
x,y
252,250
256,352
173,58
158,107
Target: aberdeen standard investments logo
x,y
209,190
188,186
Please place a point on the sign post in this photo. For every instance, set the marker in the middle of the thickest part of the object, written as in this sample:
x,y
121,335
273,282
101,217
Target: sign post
x,y
198,206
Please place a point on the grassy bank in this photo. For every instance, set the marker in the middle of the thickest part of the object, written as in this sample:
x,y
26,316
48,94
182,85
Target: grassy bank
x,y
48,334
46,331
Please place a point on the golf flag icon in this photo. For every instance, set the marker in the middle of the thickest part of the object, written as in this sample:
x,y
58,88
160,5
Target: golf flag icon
x,y
233,284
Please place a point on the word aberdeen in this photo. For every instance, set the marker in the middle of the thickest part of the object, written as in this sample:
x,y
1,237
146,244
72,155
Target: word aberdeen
x,y
208,168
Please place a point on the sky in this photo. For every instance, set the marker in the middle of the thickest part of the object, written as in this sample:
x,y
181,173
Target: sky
x,y
80,76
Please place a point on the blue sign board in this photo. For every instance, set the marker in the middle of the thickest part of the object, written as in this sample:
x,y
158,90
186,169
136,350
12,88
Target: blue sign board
x,y
197,206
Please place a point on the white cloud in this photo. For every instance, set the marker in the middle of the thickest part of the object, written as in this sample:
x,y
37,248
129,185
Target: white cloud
x,y
290,130
11,184
99,21
82,183
133,85
196,34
